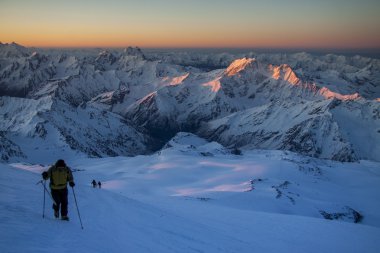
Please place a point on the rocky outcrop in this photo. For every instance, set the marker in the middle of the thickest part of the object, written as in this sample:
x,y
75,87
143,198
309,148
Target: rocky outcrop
x,y
9,150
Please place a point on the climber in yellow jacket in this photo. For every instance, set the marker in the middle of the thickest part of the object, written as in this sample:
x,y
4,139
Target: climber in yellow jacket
x,y
60,174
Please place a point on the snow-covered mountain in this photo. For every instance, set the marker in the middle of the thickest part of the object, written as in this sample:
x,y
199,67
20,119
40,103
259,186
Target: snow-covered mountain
x,y
13,50
132,102
329,129
38,129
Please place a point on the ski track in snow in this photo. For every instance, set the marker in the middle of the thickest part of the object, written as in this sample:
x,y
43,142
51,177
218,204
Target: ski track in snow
x,y
142,206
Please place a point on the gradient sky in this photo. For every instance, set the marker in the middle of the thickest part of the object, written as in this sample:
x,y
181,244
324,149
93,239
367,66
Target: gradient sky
x,y
192,23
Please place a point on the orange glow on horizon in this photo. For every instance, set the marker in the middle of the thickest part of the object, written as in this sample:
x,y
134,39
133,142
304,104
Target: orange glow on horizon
x,y
119,41
188,24
177,38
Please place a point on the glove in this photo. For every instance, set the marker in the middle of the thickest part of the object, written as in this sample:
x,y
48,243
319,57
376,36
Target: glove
x,y
44,175
72,184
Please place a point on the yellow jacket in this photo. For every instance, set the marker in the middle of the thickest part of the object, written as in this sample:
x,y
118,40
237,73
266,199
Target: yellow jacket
x,y
59,176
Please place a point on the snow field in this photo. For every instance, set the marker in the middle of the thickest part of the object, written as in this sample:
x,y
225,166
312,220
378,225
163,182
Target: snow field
x,y
181,201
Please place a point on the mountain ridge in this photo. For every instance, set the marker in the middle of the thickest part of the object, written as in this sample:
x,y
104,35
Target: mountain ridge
x,y
154,100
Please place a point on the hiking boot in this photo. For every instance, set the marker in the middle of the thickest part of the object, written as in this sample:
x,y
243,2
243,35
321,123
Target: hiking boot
x,y
56,214
65,218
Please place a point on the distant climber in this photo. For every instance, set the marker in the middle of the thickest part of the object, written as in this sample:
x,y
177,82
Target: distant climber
x,y
100,184
59,175
93,183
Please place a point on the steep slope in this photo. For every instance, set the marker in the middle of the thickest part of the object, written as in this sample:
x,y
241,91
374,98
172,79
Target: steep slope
x,y
9,149
309,128
47,127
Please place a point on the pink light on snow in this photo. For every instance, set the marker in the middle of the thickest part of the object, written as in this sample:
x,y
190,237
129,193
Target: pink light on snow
x,y
285,72
32,168
113,184
230,187
179,79
214,84
325,92
239,187
238,65
162,166
216,164
246,169
188,191
235,167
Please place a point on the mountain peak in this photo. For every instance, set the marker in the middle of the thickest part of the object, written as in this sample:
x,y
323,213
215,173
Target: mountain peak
x,y
104,53
106,57
285,72
134,51
239,65
13,50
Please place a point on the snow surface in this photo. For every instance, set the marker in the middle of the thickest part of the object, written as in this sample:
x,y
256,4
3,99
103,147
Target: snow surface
x,y
194,196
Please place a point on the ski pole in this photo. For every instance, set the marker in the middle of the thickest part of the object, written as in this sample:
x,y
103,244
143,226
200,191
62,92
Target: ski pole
x,y
76,204
43,212
46,190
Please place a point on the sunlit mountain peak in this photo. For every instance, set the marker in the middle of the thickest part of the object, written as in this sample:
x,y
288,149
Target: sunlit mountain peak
x,y
238,65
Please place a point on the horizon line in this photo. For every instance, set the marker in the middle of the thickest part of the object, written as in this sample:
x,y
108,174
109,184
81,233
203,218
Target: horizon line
x,y
200,47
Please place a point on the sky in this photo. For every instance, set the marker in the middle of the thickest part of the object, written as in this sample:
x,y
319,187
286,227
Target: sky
x,y
192,23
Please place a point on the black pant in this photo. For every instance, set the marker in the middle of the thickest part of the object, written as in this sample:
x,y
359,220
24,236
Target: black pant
x,y
60,198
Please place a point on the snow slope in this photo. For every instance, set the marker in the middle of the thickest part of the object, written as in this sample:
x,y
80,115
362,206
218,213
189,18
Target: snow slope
x,y
42,127
193,196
